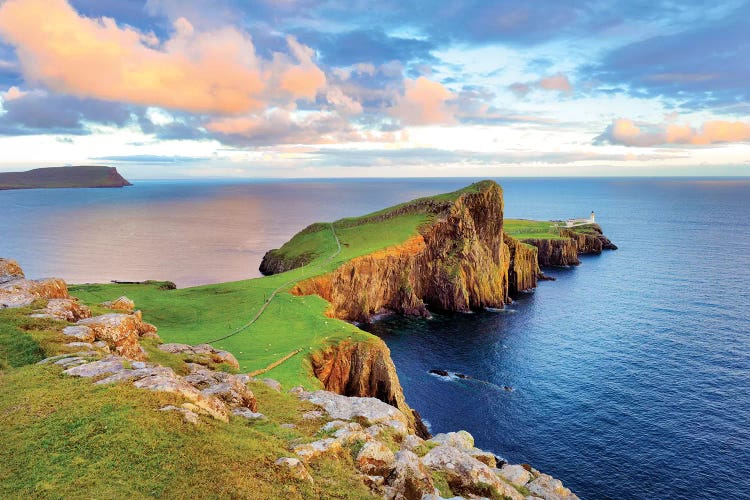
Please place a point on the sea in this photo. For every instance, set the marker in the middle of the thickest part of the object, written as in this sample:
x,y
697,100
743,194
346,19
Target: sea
x,y
627,377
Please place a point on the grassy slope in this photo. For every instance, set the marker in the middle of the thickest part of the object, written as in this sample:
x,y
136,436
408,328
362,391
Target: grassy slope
x,y
68,438
206,313
522,229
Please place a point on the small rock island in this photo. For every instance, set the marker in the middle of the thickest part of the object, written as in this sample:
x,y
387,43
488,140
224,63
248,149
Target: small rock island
x,y
86,176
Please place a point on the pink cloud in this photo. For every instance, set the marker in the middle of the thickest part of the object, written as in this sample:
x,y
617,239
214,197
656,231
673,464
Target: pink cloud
x,y
554,83
215,71
424,102
627,132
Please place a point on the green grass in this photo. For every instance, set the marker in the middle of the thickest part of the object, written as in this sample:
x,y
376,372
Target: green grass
x,y
66,437
203,314
522,229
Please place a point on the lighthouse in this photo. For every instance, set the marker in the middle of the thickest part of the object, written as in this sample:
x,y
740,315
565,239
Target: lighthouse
x,y
591,217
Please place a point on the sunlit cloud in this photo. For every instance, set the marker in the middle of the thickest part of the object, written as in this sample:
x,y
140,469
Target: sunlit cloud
x,y
627,132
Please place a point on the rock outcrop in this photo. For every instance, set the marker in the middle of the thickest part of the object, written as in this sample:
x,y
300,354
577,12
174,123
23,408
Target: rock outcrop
x,y
121,332
10,271
588,240
459,262
63,309
523,271
23,292
120,304
364,369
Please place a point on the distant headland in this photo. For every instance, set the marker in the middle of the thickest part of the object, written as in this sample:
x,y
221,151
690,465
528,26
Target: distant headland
x,y
89,176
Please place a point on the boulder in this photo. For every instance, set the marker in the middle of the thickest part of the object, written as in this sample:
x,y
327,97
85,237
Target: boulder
x,y
351,433
311,451
10,271
247,413
80,333
176,385
103,367
409,479
227,387
467,475
64,309
549,488
188,415
375,458
485,457
372,410
120,304
461,440
515,474
202,354
120,331
23,292
273,384
295,467
411,442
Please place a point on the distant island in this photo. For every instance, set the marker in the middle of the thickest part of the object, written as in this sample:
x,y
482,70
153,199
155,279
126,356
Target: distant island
x,y
64,177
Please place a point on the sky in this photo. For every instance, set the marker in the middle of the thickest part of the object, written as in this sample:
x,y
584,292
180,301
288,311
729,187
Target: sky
x,y
393,88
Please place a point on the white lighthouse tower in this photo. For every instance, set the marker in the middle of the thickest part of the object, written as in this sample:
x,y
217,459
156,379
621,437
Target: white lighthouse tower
x,y
591,217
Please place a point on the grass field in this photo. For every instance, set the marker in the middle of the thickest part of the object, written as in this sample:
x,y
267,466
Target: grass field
x,y
523,229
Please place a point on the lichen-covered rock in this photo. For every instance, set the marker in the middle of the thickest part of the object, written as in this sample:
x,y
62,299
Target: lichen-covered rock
x,y
409,479
188,415
311,451
23,292
248,414
485,457
10,271
79,332
411,442
203,354
121,332
176,385
372,410
375,458
64,309
273,384
227,387
549,488
461,440
120,304
465,474
295,467
515,474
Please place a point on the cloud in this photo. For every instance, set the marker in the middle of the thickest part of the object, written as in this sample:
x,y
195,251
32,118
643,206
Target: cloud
x,y
553,83
424,102
213,71
37,112
627,132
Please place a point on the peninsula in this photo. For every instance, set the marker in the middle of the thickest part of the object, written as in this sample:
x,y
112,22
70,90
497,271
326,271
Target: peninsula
x,y
63,177
267,385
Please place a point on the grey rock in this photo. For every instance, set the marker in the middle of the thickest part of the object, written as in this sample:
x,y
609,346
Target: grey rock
x,y
273,384
247,413
296,468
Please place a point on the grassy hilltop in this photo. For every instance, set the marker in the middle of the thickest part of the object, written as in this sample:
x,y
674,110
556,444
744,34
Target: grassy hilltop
x,y
63,177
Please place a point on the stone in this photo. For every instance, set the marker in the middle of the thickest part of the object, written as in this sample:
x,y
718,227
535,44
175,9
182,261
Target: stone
x,y
311,451
64,310
333,425
295,467
23,292
409,479
120,304
81,345
121,332
299,391
549,488
411,442
465,474
312,415
247,413
10,271
351,433
227,387
375,483
461,440
188,415
273,384
202,354
485,457
82,333
136,374
371,410
515,474
106,366
176,385
375,458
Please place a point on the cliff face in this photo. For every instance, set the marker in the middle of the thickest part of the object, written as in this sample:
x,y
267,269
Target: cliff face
x,y
562,252
459,263
524,265
364,369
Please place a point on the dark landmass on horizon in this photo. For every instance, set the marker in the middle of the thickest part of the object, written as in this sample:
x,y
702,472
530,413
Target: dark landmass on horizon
x,y
64,177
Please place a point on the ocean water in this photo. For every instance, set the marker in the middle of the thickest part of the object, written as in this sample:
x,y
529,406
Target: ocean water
x,y
630,373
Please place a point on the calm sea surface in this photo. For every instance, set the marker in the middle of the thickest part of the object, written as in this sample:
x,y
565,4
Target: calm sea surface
x,y
631,372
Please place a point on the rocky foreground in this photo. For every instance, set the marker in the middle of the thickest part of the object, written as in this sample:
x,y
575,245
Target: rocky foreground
x,y
389,457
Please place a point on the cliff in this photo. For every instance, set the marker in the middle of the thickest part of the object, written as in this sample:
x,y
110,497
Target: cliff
x,y
564,251
523,271
364,369
63,177
457,262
